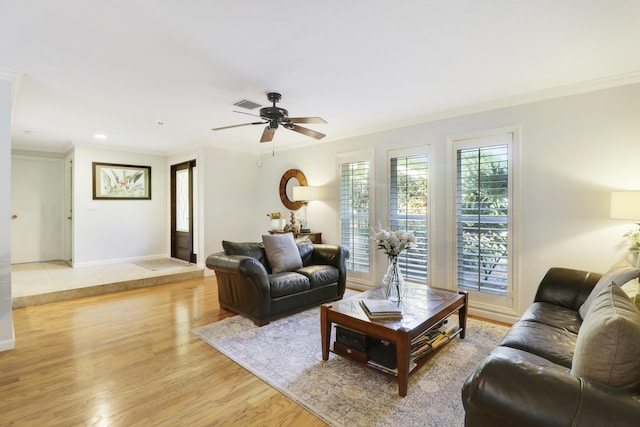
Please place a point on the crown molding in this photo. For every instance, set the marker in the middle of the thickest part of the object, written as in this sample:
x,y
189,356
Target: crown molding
x,y
511,101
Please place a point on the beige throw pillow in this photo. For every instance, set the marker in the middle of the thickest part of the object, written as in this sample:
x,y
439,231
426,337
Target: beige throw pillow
x,y
282,252
607,349
620,272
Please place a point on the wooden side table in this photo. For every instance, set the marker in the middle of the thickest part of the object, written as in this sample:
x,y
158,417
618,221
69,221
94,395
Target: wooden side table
x,y
314,237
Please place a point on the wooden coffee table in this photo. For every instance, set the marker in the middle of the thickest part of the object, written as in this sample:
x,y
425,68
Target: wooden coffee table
x,y
423,307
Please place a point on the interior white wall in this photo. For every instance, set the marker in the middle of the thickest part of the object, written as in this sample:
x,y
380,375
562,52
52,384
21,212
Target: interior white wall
x,y
106,231
574,151
231,186
7,338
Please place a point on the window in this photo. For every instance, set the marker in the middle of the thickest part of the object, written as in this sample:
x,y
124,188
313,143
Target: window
x,y
182,200
408,207
483,211
355,212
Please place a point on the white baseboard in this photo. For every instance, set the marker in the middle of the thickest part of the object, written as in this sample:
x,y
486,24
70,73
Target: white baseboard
x,y
359,286
492,315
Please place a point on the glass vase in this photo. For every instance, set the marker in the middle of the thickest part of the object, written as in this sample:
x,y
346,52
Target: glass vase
x,y
393,281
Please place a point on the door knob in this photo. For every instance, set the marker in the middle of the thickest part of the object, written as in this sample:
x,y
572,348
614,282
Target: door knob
x,y
14,216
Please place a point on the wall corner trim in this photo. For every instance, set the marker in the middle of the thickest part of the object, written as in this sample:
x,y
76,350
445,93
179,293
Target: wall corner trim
x,y
8,344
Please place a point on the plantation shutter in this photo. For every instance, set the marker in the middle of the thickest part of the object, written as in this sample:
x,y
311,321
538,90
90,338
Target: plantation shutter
x,y
482,212
355,214
409,210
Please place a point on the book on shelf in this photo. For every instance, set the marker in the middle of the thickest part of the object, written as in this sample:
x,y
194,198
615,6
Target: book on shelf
x,y
433,338
381,309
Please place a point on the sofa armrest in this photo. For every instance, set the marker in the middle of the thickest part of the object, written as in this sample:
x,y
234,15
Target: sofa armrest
x,y
335,256
515,388
566,287
243,284
243,265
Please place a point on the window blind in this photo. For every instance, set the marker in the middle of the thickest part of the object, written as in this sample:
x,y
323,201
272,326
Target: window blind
x,y
354,214
482,212
409,210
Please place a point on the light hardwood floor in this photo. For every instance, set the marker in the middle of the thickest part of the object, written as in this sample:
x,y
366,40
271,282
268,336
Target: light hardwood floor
x,y
128,359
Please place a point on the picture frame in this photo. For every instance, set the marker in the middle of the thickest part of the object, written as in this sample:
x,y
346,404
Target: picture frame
x,y
113,181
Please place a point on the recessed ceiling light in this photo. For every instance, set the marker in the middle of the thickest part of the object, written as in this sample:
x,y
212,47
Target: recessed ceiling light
x,y
100,136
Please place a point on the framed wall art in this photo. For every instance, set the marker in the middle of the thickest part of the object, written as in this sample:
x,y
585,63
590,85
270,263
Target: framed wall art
x,y
115,181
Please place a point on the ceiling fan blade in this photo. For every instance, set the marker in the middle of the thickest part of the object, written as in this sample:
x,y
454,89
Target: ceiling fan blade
x,y
267,135
306,120
235,126
244,112
305,131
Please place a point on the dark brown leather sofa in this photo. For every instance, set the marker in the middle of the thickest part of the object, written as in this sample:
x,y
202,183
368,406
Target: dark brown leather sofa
x,y
247,286
527,380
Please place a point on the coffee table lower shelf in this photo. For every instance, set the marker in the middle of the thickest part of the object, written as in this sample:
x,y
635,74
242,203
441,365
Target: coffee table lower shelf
x,y
362,357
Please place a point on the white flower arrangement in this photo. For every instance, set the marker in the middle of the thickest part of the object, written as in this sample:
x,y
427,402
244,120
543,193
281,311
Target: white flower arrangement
x,y
393,242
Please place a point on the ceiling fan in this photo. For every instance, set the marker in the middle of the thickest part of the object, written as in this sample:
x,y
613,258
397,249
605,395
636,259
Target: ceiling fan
x,y
274,117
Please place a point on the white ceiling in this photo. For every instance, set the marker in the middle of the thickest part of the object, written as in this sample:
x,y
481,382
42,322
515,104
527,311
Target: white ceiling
x,y
119,67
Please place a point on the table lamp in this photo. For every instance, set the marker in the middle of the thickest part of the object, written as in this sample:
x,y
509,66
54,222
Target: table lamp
x,y
305,194
625,205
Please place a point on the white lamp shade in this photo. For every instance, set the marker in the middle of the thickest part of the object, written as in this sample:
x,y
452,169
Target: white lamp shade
x,y
625,205
305,193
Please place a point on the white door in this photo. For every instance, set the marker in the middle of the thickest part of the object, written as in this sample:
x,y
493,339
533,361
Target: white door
x,y
37,207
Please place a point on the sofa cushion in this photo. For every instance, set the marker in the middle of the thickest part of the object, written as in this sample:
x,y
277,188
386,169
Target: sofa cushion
x,y
607,349
554,344
620,272
553,315
282,252
287,283
319,275
252,249
305,247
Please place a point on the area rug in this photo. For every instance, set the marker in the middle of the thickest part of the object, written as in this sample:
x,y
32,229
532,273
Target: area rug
x,y
287,355
161,264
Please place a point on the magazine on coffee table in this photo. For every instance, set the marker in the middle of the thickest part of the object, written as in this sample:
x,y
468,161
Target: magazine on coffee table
x,y
381,309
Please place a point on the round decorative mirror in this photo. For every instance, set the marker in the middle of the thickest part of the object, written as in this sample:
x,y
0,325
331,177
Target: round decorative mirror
x,y
291,178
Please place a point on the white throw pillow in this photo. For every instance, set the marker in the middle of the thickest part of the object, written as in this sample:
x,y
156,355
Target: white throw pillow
x,y
282,252
620,272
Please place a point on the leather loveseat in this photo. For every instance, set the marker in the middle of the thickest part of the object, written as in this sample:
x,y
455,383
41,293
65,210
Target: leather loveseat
x,y
248,284
553,369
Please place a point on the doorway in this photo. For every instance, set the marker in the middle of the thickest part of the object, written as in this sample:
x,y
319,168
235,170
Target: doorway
x,y
37,204
183,183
